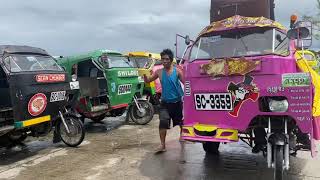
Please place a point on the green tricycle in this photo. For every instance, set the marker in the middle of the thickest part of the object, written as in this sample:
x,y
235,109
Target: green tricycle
x,y
109,85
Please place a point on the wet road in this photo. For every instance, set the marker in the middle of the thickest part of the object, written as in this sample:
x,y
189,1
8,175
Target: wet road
x,y
128,153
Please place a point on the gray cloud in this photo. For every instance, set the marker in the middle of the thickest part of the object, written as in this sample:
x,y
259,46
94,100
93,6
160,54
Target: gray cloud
x,y
78,26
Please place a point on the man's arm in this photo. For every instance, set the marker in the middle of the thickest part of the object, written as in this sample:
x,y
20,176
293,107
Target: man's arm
x,y
153,77
180,75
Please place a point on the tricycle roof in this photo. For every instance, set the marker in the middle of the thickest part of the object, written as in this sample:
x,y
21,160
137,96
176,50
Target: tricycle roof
x,y
144,54
12,49
92,54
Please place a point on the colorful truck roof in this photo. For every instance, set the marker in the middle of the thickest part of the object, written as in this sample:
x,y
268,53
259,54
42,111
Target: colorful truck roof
x,y
240,22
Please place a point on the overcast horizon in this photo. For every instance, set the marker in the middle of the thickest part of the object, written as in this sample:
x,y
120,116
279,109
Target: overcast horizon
x,y
74,27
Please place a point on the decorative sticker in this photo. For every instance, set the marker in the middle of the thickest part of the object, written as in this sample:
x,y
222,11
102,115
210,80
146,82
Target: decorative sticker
x,y
275,89
241,92
44,78
131,73
37,104
113,87
295,80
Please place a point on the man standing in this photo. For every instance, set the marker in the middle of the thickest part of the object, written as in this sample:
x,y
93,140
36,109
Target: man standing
x,y
171,97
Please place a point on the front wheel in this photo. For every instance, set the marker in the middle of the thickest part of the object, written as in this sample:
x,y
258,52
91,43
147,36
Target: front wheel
x,y
76,131
211,147
145,115
278,162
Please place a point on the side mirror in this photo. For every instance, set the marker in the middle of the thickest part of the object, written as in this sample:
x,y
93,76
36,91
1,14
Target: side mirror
x,y
187,40
298,33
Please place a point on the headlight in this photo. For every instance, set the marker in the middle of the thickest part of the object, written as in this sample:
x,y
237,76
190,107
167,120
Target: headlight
x,y
278,105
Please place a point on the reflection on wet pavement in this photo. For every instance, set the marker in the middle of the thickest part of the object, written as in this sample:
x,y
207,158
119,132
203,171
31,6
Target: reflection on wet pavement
x,y
33,145
188,161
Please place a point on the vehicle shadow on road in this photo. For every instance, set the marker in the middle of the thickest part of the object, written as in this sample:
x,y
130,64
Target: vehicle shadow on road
x,y
19,152
104,126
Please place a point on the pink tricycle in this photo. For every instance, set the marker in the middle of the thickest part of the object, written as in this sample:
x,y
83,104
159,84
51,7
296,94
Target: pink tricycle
x,y
242,82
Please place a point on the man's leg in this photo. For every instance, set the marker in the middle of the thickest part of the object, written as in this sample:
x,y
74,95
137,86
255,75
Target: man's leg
x,y
164,124
177,116
163,134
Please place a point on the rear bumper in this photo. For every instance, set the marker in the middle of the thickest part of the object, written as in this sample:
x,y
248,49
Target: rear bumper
x,y
211,133
31,122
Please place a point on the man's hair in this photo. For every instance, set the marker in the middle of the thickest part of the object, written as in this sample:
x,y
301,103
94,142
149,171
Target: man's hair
x,y
167,52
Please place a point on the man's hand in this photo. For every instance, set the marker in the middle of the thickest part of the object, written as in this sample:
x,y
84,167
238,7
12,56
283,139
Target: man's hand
x,y
153,77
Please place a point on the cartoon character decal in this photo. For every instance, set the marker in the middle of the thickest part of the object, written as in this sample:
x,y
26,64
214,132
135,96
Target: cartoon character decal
x,y
241,92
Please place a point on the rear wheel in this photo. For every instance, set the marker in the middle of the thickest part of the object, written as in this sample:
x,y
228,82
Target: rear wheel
x,y
76,131
211,147
278,162
146,114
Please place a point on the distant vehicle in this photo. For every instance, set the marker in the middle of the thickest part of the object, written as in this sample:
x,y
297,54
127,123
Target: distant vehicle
x,y
35,91
109,85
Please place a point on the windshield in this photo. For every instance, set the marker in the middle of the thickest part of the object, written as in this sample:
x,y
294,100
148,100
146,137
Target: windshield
x,y
141,62
241,42
18,63
119,62
158,62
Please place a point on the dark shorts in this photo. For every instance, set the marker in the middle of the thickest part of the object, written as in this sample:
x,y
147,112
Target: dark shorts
x,y
168,112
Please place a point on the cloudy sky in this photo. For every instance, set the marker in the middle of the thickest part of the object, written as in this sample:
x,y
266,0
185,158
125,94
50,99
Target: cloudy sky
x,y
76,26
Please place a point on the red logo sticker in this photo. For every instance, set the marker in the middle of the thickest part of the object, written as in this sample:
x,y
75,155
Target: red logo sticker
x,y
37,104
242,92
50,78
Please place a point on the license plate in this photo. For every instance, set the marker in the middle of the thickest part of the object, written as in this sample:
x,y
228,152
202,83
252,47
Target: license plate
x,y
213,102
74,85
124,89
58,96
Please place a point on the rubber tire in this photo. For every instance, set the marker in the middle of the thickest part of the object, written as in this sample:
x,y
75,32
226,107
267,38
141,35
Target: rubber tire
x,y
75,120
133,109
98,119
278,162
211,147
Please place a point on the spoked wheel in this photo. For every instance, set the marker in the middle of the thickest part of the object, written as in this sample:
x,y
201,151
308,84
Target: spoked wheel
x,y
211,147
278,162
76,131
145,115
